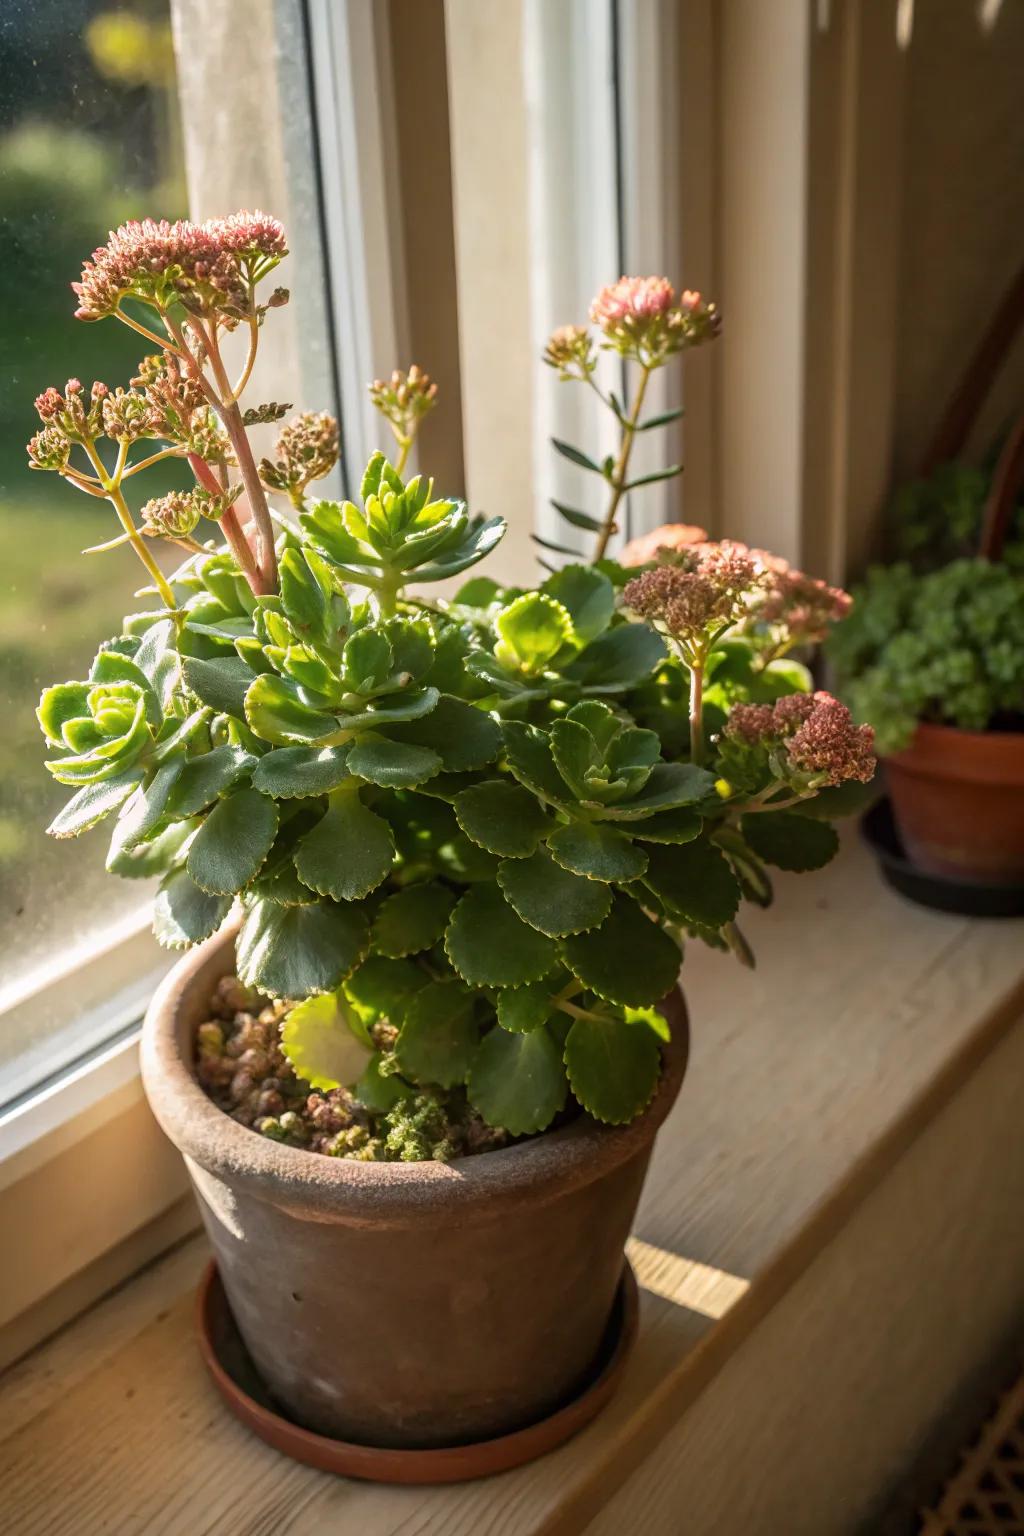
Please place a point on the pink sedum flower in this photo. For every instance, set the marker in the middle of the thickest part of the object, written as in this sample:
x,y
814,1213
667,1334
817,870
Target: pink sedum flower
x,y
705,587
815,733
799,607
206,266
632,300
668,538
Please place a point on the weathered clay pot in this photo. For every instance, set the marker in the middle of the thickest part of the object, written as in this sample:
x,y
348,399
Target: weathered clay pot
x,y
958,799
406,1304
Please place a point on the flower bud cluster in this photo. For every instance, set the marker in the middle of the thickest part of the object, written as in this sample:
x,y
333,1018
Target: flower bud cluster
x,y
209,268
640,317
813,737
707,587
404,399
78,417
307,449
798,608
176,514
571,352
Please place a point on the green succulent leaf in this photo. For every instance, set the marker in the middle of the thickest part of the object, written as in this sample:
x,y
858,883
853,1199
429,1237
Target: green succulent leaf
x,y
304,599
677,826
521,1009
276,708
221,683
550,898
147,807
185,914
531,630
490,946
232,843
790,842
93,803
391,764
439,1037
378,1092
412,920
291,773
58,705
203,779
587,596
296,951
620,658
156,857
613,1067
528,752
598,851
502,817
465,737
629,959
669,785
517,1081
349,851
112,667
382,988
694,882
319,1040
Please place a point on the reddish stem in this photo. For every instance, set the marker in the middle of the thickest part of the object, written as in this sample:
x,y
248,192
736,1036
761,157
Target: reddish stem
x,y
233,531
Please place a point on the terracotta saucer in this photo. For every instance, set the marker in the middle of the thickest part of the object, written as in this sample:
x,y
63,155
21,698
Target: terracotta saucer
x,y
234,1376
967,897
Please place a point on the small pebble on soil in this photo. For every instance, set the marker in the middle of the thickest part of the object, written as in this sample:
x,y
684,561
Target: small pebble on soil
x,y
241,1066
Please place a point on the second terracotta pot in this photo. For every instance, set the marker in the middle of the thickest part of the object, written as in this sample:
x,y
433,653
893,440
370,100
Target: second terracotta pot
x,y
958,800
406,1304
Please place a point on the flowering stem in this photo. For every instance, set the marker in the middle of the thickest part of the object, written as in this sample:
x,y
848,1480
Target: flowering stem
x,y
618,474
696,665
250,359
762,801
154,458
404,446
113,493
163,342
229,522
266,559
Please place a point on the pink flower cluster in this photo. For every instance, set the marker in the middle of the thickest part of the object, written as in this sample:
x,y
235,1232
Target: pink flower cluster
x,y
802,605
708,585
816,733
668,538
641,317
208,266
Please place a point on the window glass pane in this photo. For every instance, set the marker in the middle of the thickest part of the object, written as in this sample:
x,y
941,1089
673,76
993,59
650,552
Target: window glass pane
x,y
89,136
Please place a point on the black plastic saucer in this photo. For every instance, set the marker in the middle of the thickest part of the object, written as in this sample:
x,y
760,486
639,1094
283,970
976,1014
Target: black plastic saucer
x,y
945,894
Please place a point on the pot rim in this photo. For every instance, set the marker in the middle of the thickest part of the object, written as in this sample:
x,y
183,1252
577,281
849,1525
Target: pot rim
x,y
947,752
370,1193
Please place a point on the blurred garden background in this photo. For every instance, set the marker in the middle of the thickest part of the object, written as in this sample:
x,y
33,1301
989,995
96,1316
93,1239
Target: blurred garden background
x,y
89,136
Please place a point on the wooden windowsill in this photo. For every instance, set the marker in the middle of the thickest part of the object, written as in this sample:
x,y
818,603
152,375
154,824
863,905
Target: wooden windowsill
x,y
809,1078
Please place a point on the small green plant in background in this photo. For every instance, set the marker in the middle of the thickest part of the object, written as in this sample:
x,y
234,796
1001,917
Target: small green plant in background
x,y
944,647
465,839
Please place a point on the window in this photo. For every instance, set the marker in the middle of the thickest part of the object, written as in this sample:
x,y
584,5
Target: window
x,y
89,136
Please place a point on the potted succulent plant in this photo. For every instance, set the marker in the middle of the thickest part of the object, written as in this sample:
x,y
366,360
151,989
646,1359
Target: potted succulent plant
x,y
933,657
935,661
439,856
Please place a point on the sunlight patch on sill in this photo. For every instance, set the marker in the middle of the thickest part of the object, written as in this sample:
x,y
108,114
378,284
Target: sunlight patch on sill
x,y
686,1282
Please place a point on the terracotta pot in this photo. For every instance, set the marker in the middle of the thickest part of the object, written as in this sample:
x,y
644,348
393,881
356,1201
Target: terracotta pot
x,y
406,1304
958,799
